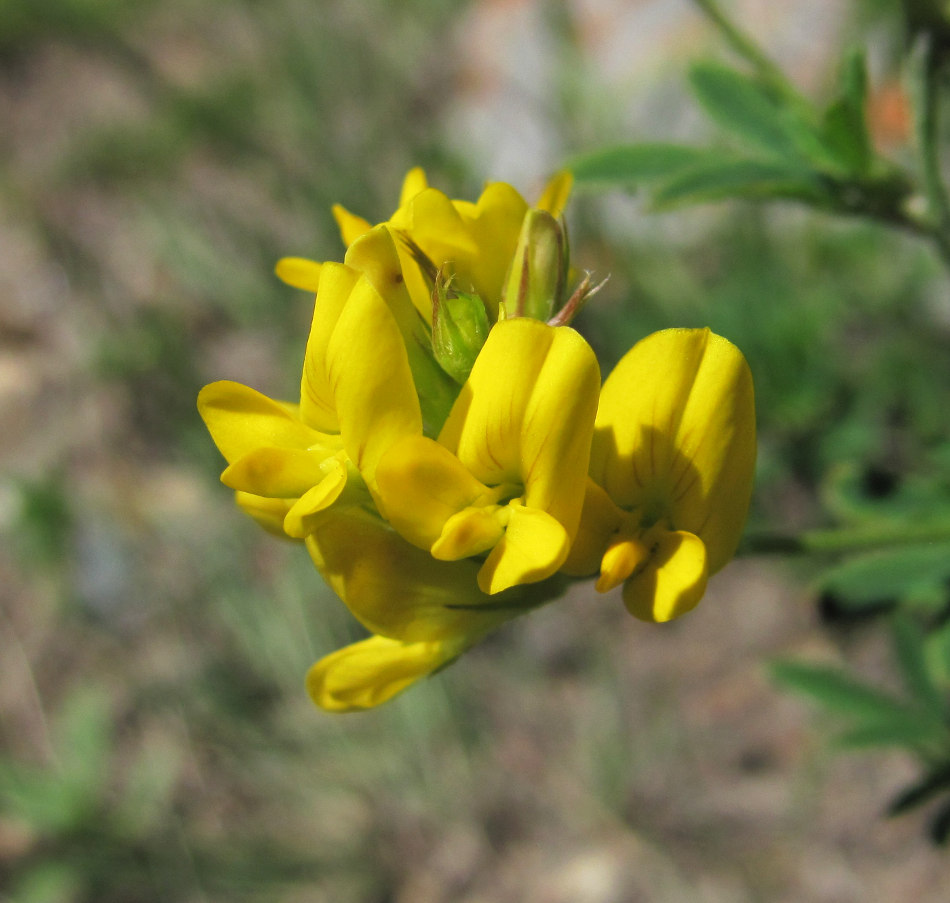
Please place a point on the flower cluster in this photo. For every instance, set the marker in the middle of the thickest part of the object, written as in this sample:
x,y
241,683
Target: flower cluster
x,y
453,459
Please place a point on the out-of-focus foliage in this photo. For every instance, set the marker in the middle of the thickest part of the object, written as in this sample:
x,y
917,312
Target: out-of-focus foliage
x,y
156,159
882,474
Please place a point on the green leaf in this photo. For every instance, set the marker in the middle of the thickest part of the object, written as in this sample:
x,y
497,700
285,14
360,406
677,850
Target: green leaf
x,y
844,125
909,648
837,692
772,123
920,792
910,730
891,573
632,164
721,178
846,493
938,653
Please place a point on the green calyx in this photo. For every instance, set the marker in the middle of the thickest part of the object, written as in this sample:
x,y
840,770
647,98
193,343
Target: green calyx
x,y
537,278
459,326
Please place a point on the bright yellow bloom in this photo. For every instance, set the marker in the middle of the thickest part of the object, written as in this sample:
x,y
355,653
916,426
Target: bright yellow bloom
x,y
423,613
671,471
506,475
478,238
453,455
284,470
290,462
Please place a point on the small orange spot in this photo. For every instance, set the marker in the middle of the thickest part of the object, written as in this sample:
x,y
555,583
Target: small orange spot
x,y
889,116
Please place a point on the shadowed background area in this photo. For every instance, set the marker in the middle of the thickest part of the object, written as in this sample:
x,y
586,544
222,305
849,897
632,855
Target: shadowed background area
x,y
156,741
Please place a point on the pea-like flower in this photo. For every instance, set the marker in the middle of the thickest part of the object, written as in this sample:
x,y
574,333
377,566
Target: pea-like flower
x,y
422,613
671,470
505,478
291,462
453,460
479,238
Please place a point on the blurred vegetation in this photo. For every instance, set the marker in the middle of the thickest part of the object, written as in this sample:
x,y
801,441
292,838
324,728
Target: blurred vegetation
x,y
155,739
867,434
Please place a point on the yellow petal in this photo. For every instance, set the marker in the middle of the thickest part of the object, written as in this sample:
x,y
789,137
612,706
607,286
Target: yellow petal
x,y
269,513
299,521
371,672
431,221
350,225
299,273
367,367
414,183
397,590
241,419
317,404
556,192
469,532
495,224
675,435
623,557
375,256
533,547
276,472
421,485
479,239
673,581
600,518
525,415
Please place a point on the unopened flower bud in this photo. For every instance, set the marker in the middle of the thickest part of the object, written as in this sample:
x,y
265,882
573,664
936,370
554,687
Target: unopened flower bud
x,y
459,327
537,276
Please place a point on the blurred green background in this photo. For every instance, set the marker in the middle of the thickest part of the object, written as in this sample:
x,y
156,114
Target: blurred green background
x,y
156,742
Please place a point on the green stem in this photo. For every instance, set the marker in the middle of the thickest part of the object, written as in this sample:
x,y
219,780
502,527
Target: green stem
x,y
847,539
926,84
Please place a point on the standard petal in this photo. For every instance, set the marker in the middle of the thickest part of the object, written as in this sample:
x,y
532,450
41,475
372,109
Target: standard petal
x,y
299,273
533,547
375,256
373,671
672,582
413,184
556,192
317,403
350,225
421,485
368,369
494,222
526,413
479,239
675,436
240,419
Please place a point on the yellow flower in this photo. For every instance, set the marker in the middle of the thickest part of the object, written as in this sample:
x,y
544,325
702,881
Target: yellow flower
x,y
284,470
671,469
423,613
506,475
291,462
479,238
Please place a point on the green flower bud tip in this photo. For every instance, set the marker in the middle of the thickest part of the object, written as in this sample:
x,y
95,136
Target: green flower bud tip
x,y
537,276
459,326
423,261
